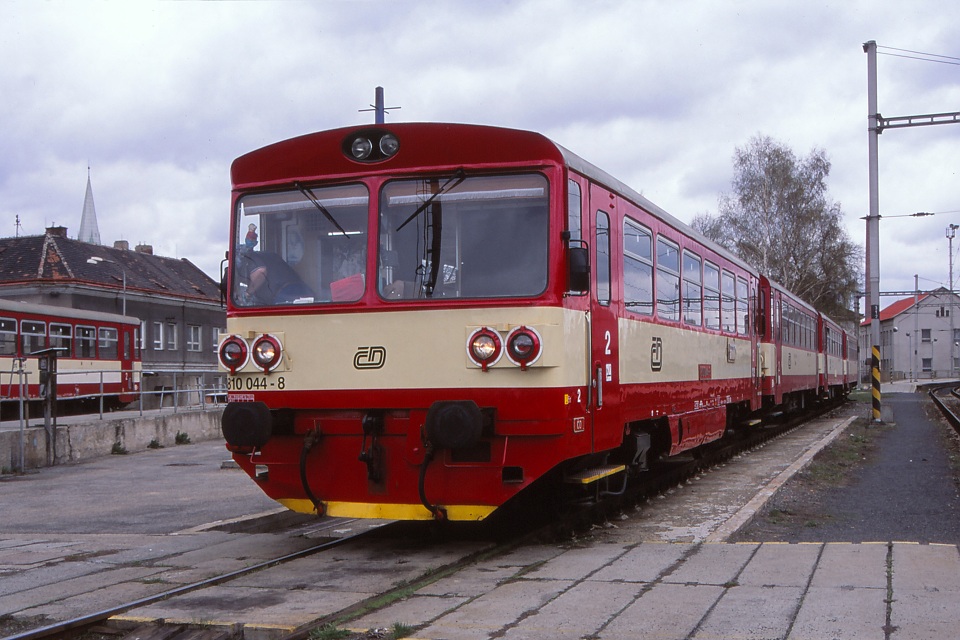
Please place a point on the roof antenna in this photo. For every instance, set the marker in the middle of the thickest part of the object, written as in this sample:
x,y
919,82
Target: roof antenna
x,y
18,226
379,110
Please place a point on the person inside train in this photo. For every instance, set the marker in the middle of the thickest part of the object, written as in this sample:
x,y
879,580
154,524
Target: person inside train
x,y
270,280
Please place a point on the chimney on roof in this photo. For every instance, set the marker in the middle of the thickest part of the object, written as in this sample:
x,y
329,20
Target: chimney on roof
x,y
144,248
59,232
122,245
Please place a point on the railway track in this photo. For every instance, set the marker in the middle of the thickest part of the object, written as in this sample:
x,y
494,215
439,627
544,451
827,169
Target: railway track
x,y
947,399
89,623
658,481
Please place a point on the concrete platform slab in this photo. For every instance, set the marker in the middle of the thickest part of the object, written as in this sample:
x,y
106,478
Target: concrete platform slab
x,y
716,564
665,612
751,613
850,613
644,563
781,565
845,566
577,613
490,613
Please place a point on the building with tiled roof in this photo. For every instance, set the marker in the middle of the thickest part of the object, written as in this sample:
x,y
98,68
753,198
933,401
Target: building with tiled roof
x,y
919,337
178,305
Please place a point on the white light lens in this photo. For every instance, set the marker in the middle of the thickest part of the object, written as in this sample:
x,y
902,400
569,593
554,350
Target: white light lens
x,y
484,347
389,144
266,352
522,345
361,148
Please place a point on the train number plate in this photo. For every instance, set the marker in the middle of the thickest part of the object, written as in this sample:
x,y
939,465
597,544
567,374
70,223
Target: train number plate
x,y
255,383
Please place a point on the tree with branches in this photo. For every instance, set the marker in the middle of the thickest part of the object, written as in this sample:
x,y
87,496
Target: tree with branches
x,y
780,219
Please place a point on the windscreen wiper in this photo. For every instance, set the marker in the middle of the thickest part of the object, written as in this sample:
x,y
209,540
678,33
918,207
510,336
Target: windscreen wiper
x,y
458,177
326,212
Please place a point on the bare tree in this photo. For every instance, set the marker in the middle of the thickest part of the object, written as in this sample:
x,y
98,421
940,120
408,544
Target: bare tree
x,y
780,219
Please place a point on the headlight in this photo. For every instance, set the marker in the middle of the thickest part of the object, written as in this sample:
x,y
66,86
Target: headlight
x,y
267,352
361,148
233,353
523,346
389,144
484,347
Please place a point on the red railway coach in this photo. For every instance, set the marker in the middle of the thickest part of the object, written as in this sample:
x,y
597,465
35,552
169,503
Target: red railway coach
x,y
790,349
97,352
425,319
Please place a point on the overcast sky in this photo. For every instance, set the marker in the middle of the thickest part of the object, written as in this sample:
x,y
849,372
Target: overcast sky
x,y
159,98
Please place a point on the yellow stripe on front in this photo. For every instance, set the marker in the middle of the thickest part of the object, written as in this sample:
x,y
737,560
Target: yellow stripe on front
x,y
385,511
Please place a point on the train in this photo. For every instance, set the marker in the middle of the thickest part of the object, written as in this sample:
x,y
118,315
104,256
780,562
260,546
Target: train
x,y
97,353
426,320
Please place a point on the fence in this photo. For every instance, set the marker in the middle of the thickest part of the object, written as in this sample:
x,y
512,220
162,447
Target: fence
x,y
157,389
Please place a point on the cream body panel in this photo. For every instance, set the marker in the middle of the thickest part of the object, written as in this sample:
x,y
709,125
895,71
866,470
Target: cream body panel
x,y
682,353
423,349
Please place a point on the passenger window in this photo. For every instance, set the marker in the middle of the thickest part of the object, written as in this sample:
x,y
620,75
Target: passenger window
x,y
668,280
637,268
573,210
8,337
33,336
692,291
603,258
711,298
743,308
728,314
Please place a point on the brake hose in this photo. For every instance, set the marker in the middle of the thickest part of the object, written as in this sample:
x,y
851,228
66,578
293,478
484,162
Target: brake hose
x,y
308,443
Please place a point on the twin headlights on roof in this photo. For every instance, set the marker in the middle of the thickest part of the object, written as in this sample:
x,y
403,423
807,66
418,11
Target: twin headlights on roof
x,y
372,145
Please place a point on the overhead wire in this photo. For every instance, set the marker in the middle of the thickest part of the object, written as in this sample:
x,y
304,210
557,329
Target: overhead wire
x,y
919,55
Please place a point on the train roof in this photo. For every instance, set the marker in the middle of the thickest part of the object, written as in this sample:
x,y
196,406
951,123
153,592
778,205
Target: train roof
x,y
15,306
597,174
307,156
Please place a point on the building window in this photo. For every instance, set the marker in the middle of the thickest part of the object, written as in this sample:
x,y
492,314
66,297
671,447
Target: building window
x,y
216,338
142,337
157,336
171,336
193,337
925,335
927,365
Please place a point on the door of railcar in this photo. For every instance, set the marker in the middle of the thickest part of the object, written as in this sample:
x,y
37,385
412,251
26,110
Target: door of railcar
x,y
604,352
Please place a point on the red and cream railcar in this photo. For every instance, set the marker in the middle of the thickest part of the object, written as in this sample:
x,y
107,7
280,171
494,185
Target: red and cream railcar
x,y
97,352
831,358
424,319
851,361
790,350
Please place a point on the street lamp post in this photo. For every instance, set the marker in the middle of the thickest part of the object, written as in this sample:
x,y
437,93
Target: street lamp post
x,y
123,272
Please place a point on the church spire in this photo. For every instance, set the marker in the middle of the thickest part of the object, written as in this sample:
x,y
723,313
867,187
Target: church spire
x,y
89,232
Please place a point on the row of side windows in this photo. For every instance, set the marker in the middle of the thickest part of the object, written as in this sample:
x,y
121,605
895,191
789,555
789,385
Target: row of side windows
x,y
73,341
687,288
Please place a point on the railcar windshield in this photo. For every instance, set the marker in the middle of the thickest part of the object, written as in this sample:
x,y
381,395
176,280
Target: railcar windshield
x,y
304,246
463,237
